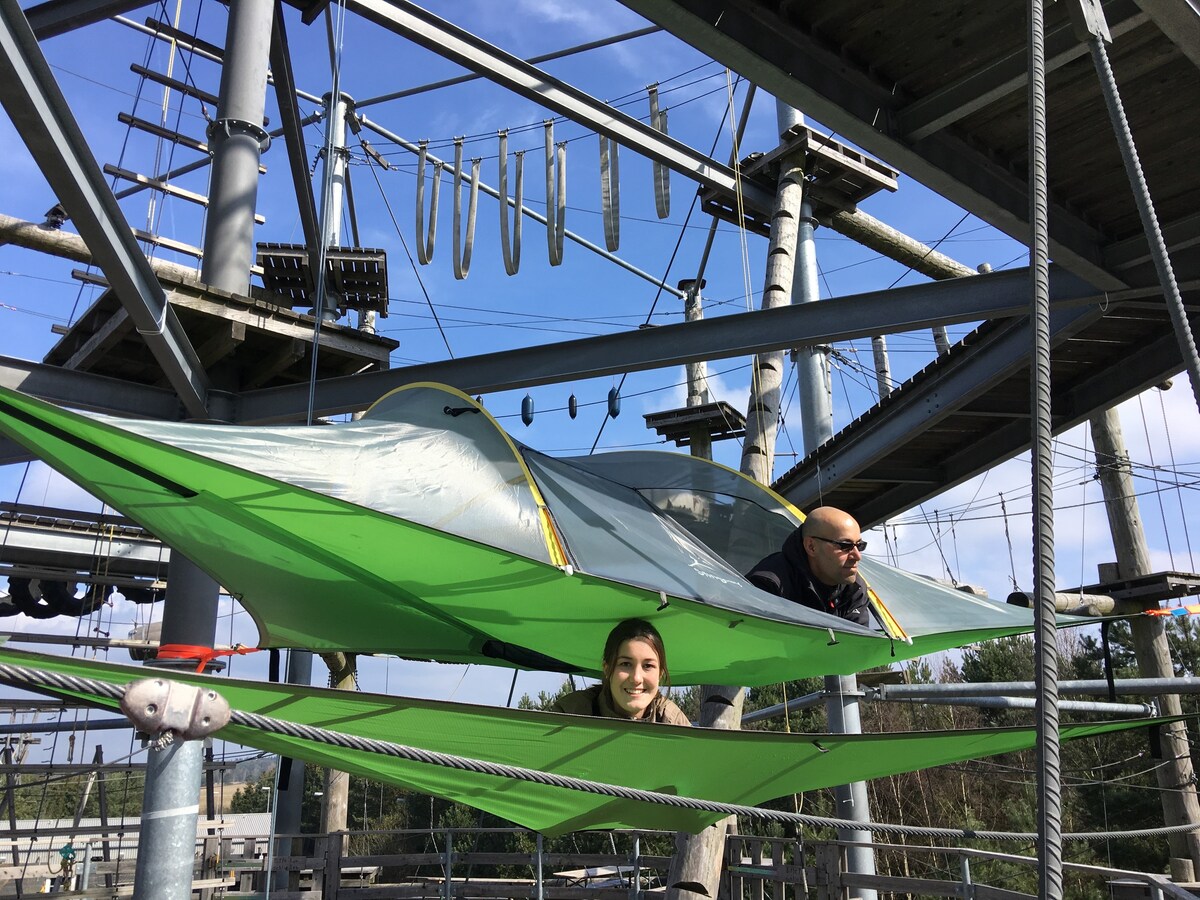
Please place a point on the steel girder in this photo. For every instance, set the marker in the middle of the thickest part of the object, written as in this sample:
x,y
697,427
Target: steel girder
x,y
971,299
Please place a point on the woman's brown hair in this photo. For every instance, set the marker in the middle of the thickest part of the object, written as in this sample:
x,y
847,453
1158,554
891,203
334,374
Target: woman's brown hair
x,y
635,630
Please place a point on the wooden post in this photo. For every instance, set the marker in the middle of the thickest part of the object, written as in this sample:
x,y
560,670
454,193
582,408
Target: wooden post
x,y
1176,776
335,802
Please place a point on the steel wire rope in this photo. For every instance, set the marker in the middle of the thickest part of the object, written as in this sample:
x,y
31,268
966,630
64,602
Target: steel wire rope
x,y
26,677
1049,807
1178,494
1146,213
634,97
1162,510
1064,506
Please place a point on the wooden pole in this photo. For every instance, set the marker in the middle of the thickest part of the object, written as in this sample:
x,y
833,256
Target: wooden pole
x,y
1176,776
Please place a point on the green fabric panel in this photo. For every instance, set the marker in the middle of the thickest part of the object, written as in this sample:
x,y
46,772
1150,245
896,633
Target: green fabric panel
x,y
323,574
740,767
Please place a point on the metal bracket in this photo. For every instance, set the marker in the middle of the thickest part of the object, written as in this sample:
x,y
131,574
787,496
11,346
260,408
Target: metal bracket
x,y
169,709
1088,21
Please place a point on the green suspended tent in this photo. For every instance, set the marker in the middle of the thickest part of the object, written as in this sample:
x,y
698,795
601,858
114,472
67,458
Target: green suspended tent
x,y
425,531
734,767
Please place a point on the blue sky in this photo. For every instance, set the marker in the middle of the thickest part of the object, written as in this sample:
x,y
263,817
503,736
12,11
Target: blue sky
x,y
977,532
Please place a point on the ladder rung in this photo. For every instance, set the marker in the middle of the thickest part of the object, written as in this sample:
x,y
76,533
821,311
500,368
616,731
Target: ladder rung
x,y
189,41
175,84
183,87
172,190
159,241
159,131
157,185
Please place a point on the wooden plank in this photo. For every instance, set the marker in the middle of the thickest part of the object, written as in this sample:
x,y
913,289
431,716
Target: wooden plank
x,y
158,185
109,335
229,336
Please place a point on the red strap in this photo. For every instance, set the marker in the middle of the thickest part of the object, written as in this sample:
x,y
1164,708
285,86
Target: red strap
x,y
204,655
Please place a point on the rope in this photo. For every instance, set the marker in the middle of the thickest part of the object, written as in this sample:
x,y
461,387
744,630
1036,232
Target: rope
x,y
556,195
1049,806
425,248
27,677
1145,207
511,249
463,246
610,192
662,175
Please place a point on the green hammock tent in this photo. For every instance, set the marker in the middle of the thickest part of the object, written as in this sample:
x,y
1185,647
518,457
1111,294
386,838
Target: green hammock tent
x,y
424,530
735,767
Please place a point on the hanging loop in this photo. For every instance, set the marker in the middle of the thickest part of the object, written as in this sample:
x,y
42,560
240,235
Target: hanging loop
x,y
463,246
425,246
662,175
610,192
556,195
511,249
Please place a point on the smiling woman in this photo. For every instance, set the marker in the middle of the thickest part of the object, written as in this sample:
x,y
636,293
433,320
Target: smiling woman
x,y
635,664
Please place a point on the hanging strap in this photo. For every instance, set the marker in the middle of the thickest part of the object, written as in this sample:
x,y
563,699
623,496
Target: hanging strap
x,y
510,249
662,175
610,192
425,247
463,246
556,195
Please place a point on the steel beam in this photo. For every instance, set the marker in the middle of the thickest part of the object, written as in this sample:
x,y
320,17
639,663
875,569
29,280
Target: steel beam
x,y
44,121
973,299
85,390
937,398
117,556
447,40
801,72
919,406
55,17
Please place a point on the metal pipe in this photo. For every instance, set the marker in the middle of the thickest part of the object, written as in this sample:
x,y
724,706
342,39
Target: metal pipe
x,y
1081,706
492,192
816,698
1096,687
533,60
166,846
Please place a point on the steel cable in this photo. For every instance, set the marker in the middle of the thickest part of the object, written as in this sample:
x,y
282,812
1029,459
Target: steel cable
x,y
30,678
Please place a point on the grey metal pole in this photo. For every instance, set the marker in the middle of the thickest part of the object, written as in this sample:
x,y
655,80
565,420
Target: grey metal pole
x,y
289,799
170,804
237,140
1049,774
333,180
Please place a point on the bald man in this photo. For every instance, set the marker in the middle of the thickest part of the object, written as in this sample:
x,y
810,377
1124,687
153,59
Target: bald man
x,y
818,566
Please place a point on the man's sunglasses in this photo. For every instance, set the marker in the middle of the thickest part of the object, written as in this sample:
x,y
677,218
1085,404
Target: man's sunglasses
x,y
844,546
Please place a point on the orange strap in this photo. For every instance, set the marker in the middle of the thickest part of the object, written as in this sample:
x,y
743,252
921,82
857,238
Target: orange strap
x,y
204,655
